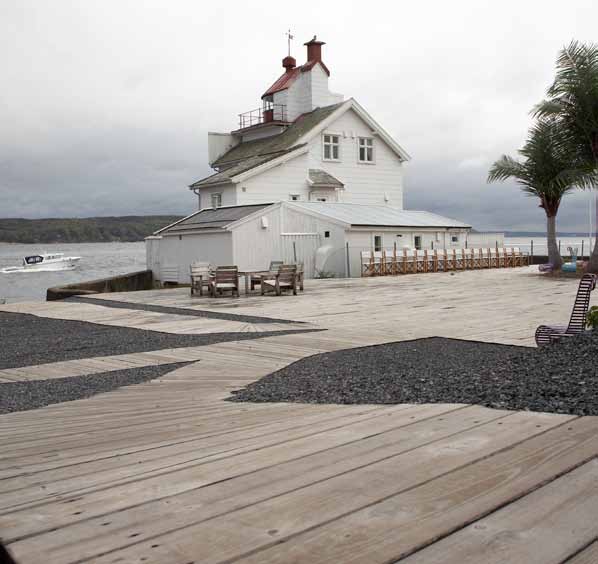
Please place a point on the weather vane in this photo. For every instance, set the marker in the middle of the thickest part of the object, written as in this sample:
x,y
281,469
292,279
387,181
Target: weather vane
x,y
289,37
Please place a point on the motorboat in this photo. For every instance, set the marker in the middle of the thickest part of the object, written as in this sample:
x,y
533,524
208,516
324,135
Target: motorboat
x,y
44,262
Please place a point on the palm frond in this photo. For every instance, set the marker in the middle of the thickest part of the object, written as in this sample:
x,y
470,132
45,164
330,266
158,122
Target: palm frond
x,y
549,168
573,98
506,167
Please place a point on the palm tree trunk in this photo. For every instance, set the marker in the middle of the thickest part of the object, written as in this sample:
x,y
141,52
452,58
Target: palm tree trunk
x,y
593,263
554,257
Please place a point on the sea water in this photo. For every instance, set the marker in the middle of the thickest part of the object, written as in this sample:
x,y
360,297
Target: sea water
x,y
98,260
102,260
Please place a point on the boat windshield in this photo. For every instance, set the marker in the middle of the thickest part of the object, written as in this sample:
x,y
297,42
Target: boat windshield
x,y
34,259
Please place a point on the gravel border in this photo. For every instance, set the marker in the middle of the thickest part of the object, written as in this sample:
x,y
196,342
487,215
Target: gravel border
x,y
27,340
559,378
179,311
23,396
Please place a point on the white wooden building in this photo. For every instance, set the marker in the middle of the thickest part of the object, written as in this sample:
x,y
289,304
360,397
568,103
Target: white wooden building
x,y
327,237
308,168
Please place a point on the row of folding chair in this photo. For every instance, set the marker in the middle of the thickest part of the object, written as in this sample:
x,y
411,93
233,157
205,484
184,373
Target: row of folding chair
x,y
377,263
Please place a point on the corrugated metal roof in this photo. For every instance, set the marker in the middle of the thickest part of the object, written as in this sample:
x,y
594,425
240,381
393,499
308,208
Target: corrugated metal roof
x,y
217,218
379,216
319,177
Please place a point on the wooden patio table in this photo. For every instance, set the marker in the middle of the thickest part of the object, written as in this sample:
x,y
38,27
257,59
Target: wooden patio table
x,y
249,273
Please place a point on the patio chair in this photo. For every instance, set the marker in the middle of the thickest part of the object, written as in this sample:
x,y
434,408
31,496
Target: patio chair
x,y
300,275
284,279
200,273
226,278
577,323
256,279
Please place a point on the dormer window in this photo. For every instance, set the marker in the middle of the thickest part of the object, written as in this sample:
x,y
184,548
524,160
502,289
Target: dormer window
x,y
366,149
331,147
216,200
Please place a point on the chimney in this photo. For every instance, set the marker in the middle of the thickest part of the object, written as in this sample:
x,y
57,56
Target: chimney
x,y
314,50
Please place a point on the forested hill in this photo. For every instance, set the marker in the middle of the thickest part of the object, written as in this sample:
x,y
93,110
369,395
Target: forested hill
x,y
84,230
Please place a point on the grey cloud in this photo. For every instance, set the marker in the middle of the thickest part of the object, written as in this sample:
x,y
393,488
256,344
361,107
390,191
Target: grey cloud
x,y
105,106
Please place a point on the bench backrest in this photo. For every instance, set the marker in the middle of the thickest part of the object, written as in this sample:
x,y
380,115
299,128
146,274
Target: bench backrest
x,y
287,272
226,274
275,265
200,268
577,322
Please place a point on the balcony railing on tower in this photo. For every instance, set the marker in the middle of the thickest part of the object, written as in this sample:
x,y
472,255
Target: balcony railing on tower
x,y
268,113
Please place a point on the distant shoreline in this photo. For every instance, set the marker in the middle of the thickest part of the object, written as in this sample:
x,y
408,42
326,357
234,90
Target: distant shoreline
x,y
125,229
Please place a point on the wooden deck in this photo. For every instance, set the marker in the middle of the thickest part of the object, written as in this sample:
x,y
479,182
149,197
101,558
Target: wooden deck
x,y
167,472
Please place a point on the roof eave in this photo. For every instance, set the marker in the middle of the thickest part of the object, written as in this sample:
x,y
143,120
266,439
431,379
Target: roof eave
x,y
402,226
196,185
241,177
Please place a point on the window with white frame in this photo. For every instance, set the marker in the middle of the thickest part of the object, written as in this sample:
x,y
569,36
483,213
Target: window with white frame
x,y
216,200
295,197
366,149
377,243
331,147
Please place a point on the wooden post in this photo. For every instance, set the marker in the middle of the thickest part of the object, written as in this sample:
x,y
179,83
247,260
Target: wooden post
x,y
404,261
454,259
395,269
383,262
415,261
425,260
435,259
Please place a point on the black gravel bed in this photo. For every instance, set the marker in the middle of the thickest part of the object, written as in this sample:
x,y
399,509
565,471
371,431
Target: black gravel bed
x,y
22,396
558,378
179,311
26,339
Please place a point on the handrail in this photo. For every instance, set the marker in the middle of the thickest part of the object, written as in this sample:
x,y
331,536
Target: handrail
x,y
269,112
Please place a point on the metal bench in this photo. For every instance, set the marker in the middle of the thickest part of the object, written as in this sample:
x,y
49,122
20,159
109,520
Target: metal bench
x,y
546,334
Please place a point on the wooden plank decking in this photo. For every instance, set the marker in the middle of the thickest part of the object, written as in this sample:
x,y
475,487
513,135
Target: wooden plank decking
x,y
167,472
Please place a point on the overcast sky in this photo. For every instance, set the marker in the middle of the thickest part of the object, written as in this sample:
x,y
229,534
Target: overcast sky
x,y
105,105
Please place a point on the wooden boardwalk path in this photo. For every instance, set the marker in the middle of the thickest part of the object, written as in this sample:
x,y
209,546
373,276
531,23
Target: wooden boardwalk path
x,y
168,472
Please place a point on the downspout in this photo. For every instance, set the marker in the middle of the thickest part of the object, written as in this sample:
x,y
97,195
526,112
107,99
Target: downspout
x,y
196,192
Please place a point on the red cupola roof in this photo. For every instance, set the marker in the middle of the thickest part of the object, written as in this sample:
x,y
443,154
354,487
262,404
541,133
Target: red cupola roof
x,y
314,56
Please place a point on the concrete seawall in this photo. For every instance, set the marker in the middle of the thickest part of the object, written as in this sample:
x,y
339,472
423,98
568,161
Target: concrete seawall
x,y
141,280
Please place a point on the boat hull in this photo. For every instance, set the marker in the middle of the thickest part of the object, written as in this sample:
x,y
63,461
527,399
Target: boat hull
x,y
68,263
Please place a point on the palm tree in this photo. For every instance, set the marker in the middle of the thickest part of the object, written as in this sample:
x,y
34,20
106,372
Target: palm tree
x,y
546,172
573,102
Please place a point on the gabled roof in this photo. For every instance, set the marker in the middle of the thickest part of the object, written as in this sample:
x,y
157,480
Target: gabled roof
x,y
212,218
364,215
285,80
282,82
281,142
319,177
246,157
225,176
